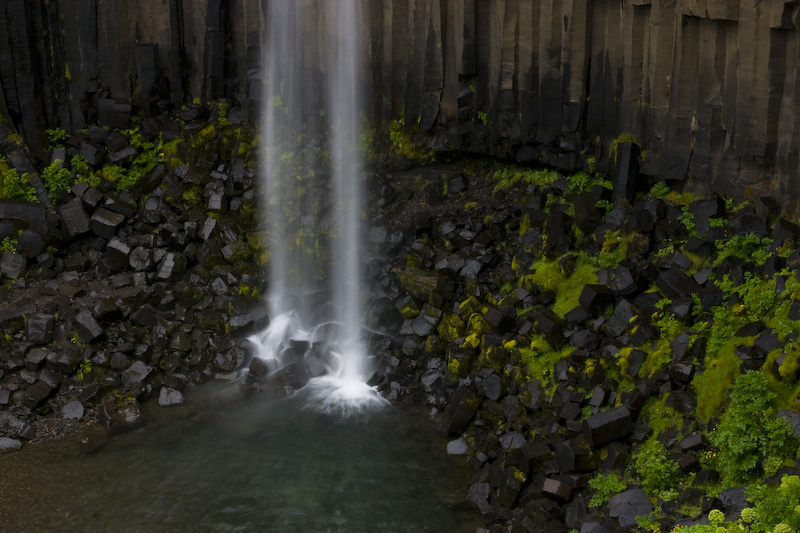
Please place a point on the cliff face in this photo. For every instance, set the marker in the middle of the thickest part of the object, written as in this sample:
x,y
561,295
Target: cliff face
x,y
707,87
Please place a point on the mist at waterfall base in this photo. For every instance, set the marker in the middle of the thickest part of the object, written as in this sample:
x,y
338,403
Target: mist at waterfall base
x,y
311,171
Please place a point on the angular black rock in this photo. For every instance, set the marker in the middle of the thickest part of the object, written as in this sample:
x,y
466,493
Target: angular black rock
x,y
607,426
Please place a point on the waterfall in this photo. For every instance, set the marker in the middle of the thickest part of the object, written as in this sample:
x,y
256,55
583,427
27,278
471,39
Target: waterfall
x,y
311,169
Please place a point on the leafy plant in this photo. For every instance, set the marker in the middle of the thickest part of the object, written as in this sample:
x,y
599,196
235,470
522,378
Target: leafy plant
x,y
776,505
687,219
84,369
659,190
15,186
614,249
56,137
745,247
658,475
749,433
605,486
9,244
483,117
56,179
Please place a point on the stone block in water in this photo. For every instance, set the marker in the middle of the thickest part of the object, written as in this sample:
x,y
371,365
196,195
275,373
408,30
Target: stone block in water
x,y
9,445
169,396
260,368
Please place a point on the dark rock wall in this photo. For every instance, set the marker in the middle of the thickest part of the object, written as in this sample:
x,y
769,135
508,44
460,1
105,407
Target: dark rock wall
x,y
707,87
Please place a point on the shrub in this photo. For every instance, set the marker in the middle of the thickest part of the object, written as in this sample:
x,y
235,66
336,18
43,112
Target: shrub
x,y
605,486
56,137
56,179
657,474
749,434
12,185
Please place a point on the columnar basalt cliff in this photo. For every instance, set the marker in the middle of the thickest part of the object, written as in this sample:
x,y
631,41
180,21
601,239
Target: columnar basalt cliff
x,y
707,88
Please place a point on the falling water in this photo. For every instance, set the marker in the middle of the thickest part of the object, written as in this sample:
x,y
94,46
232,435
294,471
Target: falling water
x,y
311,172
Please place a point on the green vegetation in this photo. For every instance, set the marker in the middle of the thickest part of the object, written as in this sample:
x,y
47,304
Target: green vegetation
x,y
56,137
401,143
657,475
750,439
605,486
57,179
12,185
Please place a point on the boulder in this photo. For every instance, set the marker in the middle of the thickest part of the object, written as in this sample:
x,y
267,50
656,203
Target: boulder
x,y
627,505
607,426
168,397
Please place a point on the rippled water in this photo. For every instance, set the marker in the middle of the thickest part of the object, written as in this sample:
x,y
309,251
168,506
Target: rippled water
x,y
255,465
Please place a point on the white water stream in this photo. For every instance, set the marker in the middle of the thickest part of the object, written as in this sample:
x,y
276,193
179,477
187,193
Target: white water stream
x,y
312,173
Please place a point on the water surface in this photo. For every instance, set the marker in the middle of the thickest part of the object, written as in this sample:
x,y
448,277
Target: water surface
x,y
254,465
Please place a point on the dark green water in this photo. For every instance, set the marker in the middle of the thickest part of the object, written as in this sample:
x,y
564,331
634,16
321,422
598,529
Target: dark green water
x,y
251,466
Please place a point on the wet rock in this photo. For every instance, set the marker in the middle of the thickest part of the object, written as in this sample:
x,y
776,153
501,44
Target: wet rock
x,y
74,220
595,297
557,490
733,501
40,328
607,426
620,319
457,447
5,396
492,387
593,527
105,223
674,283
36,394
478,494
627,505
73,410
512,440
136,373
169,396
88,328
12,265
499,320
575,455
551,326
460,411
171,267
9,445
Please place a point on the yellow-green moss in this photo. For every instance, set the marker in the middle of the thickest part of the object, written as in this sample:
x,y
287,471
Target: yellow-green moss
x,y
713,385
660,416
659,355
451,327
549,275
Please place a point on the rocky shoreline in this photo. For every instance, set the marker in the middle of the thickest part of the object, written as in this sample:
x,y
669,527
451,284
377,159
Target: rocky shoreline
x,y
554,329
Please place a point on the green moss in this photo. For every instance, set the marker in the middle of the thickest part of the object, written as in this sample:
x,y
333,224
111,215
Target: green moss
x,y
660,416
568,288
451,327
659,355
712,385
539,358
204,136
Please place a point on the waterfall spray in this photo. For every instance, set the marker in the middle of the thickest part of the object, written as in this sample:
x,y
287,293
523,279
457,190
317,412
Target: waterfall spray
x,y
313,203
